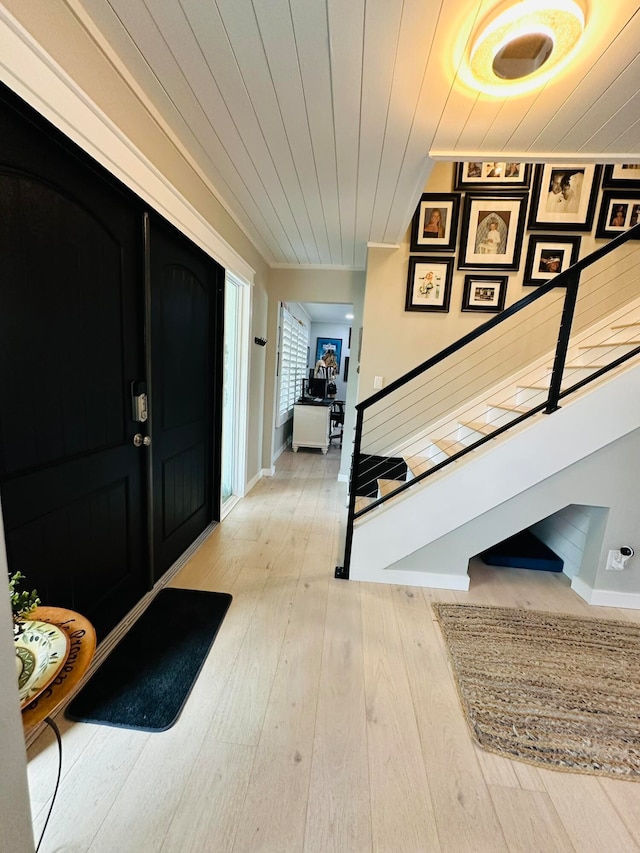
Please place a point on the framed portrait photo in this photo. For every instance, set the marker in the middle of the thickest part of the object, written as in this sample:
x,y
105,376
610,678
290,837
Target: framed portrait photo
x,y
485,293
493,176
619,211
434,227
492,229
625,175
547,256
564,197
429,284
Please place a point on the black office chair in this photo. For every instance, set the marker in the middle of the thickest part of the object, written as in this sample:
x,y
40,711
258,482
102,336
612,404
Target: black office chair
x,y
336,418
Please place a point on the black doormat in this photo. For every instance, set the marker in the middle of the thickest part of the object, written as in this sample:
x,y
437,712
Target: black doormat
x,y
145,681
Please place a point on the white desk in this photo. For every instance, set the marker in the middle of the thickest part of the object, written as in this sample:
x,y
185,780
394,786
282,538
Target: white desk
x,y
311,426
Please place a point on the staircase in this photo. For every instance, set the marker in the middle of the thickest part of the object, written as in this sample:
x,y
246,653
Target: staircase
x,y
500,441
592,351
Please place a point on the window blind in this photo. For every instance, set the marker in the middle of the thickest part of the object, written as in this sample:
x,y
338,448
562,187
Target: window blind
x,y
294,340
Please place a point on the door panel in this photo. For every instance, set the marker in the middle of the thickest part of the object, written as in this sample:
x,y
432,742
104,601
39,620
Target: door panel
x,y
70,345
186,344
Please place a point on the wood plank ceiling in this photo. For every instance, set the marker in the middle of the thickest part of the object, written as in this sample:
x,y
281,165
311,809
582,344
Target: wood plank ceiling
x,y
317,121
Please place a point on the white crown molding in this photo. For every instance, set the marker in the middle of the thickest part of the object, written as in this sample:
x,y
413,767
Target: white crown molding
x,y
34,75
383,245
338,267
530,157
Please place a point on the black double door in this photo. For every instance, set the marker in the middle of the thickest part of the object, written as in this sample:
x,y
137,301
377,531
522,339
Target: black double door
x,y
94,305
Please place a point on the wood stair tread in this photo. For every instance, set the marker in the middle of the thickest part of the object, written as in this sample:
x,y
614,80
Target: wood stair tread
x,y
449,446
611,344
479,426
418,464
362,501
508,407
625,325
388,487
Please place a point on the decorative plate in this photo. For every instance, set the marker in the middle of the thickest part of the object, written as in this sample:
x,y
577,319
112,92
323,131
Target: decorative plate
x,y
41,650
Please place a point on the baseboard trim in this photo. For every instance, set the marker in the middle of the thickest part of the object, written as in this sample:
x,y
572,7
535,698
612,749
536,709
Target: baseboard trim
x,y
267,472
254,480
343,478
606,597
409,578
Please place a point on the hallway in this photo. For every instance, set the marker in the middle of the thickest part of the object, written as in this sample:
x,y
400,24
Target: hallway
x,y
325,717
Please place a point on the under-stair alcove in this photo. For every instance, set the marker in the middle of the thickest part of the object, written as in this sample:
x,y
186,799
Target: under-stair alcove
x,y
568,541
523,551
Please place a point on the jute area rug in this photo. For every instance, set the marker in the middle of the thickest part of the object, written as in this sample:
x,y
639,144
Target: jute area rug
x,y
553,690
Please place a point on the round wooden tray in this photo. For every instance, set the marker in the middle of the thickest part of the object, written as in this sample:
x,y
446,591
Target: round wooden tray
x,y
82,639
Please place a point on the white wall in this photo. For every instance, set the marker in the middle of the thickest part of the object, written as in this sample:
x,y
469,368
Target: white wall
x,y
567,534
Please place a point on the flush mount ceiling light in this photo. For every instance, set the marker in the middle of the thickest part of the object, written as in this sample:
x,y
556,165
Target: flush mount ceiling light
x,y
522,46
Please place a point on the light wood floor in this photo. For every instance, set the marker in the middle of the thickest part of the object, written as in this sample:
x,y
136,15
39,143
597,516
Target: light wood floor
x,y
325,717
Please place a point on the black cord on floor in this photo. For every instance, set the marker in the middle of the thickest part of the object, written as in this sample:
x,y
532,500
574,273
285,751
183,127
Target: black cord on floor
x,y
56,731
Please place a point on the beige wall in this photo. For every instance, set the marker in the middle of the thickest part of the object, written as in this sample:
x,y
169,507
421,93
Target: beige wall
x,y
396,340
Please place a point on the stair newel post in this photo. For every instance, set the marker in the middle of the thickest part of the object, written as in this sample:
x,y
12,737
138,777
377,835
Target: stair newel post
x,y
564,335
343,570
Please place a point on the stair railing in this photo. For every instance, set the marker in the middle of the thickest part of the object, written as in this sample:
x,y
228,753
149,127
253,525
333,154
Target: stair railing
x,y
409,404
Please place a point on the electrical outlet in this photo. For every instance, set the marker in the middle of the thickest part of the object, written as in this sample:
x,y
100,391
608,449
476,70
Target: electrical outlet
x,y
613,564
615,561
377,382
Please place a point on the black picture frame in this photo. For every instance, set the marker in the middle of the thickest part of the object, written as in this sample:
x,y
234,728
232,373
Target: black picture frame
x,y
429,284
346,369
621,176
564,196
547,256
495,177
484,293
429,235
613,204
486,215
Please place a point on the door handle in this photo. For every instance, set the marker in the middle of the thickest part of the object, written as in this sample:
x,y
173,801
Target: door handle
x,y
139,440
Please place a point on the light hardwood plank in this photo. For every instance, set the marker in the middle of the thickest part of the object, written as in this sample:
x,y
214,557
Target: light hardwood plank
x,y
87,794
402,811
590,820
530,822
273,816
339,809
464,812
209,810
240,712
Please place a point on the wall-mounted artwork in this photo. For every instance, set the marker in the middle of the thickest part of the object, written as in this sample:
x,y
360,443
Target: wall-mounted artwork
x,y
547,256
492,229
493,176
621,175
485,293
434,227
619,211
330,346
429,284
564,197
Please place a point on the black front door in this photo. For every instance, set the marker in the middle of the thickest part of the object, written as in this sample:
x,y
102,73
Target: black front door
x,y
187,311
71,479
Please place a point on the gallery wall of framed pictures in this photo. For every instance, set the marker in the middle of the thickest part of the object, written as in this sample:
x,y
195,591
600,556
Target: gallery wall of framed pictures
x,y
468,245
